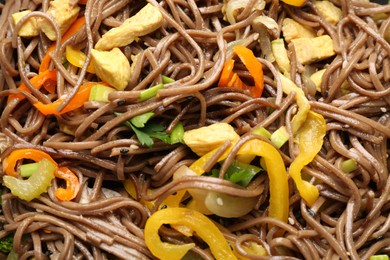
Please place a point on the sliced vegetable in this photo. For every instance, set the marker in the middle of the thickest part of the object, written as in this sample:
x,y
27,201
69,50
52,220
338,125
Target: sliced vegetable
x,y
6,243
240,173
10,161
47,79
231,79
167,80
26,170
194,220
73,29
77,101
130,188
228,206
294,2
177,134
281,56
72,184
100,93
150,92
280,137
279,194
77,58
310,138
262,132
349,165
34,186
9,164
379,257
302,102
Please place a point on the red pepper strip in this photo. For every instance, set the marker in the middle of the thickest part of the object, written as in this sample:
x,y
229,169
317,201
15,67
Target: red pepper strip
x,y
72,184
74,28
48,79
77,101
10,161
230,79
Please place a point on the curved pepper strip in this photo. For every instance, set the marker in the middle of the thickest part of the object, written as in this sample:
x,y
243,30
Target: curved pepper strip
x,y
47,79
302,102
74,28
310,139
10,161
77,101
231,79
77,58
72,182
192,219
279,197
35,185
294,2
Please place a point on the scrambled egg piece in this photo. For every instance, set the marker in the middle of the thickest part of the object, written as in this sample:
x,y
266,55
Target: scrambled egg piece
x,y
64,13
29,28
294,30
147,20
309,50
112,67
205,139
329,11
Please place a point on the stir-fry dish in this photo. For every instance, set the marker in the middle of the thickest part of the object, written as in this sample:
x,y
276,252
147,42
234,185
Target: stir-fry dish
x,y
172,129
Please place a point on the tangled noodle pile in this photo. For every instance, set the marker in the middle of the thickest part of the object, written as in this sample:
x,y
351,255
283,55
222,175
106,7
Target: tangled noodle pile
x,y
122,180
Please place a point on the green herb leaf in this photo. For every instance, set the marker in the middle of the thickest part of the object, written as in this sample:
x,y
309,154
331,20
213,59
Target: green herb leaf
x,y
241,173
177,134
157,131
143,138
140,120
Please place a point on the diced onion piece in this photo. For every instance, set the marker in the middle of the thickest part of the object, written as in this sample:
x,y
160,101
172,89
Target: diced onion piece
x,y
228,206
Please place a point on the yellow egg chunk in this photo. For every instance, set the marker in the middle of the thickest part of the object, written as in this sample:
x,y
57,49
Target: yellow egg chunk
x,y
205,139
112,67
147,20
29,28
64,14
294,30
309,50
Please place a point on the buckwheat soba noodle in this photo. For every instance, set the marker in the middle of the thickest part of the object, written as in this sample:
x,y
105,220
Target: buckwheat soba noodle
x,y
198,129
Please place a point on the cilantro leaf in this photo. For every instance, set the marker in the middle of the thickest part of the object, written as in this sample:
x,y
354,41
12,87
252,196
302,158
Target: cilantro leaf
x,y
140,120
157,131
143,138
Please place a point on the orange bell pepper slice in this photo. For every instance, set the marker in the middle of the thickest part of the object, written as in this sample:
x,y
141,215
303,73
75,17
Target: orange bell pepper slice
x,y
10,161
77,101
47,79
231,79
72,184
74,28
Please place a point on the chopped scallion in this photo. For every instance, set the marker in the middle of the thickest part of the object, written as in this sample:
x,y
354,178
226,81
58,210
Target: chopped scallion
x,y
100,93
150,92
26,170
167,80
177,134
280,137
262,132
349,165
379,257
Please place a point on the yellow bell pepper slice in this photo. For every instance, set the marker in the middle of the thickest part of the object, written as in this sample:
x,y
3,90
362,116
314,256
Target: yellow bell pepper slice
x,y
278,181
77,58
310,139
302,102
279,203
294,2
194,220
